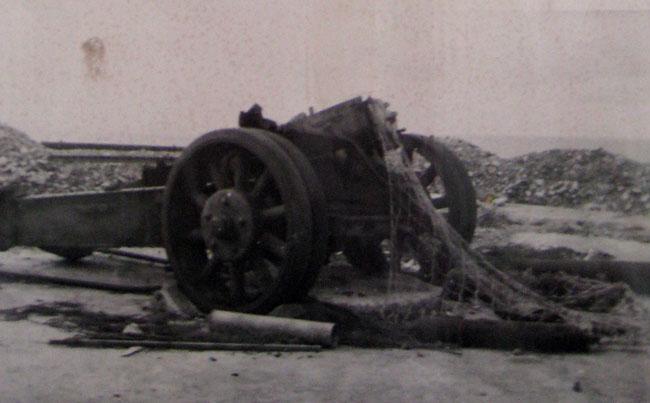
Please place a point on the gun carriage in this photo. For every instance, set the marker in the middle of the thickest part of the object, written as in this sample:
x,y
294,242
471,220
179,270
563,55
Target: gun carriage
x,y
249,215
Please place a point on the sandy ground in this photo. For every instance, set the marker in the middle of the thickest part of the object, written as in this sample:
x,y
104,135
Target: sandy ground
x,y
32,370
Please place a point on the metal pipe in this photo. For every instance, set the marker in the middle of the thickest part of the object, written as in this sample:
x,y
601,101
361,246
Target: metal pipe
x,y
273,328
183,345
62,145
110,158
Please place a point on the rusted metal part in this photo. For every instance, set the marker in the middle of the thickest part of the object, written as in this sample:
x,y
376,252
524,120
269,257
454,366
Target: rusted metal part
x,y
343,148
228,225
87,220
110,158
273,328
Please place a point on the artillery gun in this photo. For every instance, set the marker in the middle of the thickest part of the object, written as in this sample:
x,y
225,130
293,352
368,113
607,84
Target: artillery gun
x,y
249,215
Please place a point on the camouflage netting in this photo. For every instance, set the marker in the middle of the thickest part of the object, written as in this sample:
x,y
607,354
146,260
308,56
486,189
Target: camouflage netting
x,y
468,276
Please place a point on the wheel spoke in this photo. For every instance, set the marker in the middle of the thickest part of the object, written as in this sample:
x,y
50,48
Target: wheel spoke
x,y
428,175
237,169
195,237
208,270
409,153
190,173
261,276
238,293
217,176
273,214
272,269
238,221
440,202
273,245
260,184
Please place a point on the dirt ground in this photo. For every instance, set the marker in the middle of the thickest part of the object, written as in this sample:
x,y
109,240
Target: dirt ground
x,y
32,370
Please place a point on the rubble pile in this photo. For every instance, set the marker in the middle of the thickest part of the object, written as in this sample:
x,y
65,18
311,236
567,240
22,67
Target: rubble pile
x,y
24,162
485,168
94,176
570,178
25,165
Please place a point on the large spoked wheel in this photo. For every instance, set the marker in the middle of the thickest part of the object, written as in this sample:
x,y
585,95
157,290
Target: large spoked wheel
x,y
445,180
237,222
450,188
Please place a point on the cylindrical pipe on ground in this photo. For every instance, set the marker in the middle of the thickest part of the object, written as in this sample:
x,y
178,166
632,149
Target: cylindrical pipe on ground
x,y
267,328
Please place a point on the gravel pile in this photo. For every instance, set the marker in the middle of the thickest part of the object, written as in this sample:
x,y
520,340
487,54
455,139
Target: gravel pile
x,y
570,178
25,164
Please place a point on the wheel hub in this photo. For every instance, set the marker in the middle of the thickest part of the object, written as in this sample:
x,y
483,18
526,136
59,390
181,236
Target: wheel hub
x,y
227,224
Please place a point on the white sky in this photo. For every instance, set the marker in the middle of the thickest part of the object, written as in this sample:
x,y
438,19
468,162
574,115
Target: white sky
x,y
176,69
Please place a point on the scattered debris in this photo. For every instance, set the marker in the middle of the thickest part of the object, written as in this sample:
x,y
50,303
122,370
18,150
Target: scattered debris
x,y
634,274
173,302
132,328
132,351
577,387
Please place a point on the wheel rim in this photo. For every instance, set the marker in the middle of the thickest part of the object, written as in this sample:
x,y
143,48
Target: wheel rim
x,y
236,222
452,197
320,228
429,178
